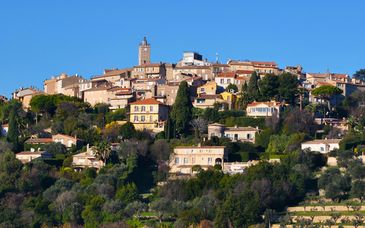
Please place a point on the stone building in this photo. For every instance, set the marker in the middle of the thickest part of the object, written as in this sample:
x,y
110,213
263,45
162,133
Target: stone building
x,y
185,158
144,52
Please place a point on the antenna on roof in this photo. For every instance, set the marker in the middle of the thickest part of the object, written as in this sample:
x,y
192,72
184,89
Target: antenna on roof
x,y
216,57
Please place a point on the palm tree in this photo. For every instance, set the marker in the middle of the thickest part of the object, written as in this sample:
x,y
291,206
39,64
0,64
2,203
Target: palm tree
x,y
102,151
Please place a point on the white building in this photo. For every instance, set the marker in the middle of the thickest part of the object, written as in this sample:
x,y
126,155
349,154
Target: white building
x,y
28,156
185,158
322,145
244,134
264,109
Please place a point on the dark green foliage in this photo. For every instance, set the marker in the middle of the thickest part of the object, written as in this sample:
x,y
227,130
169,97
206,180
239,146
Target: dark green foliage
x,y
127,130
288,88
360,74
232,88
253,91
181,113
269,86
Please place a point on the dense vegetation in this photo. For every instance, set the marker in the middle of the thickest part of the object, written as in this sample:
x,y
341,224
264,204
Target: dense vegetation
x,y
134,189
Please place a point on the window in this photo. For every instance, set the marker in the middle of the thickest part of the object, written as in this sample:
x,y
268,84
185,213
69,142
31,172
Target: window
x,y
228,81
135,118
249,136
222,81
210,160
143,108
322,148
151,108
136,109
186,160
177,161
142,118
151,119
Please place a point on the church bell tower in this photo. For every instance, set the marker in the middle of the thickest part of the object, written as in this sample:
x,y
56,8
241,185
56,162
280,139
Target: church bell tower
x,y
144,52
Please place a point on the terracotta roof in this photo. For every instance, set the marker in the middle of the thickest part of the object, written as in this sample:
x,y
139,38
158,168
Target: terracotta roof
x,y
208,96
237,62
100,88
268,103
241,129
110,73
149,65
65,136
318,75
268,64
227,74
244,71
199,147
148,101
320,141
31,153
192,67
39,140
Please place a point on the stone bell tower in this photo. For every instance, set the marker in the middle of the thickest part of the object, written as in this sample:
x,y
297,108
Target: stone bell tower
x,y
144,52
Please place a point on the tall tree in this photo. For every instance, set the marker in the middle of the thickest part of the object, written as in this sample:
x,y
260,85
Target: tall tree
x,y
253,91
360,74
269,86
14,132
288,87
181,113
326,92
243,99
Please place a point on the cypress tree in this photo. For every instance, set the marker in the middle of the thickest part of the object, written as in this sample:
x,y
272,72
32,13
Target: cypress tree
x,y
253,91
13,133
181,113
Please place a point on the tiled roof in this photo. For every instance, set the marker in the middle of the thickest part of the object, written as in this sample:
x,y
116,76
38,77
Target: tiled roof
x,y
268,103
320,141
31,153
266,64
110,73
244,71
227,74
148,101
200,147
39,140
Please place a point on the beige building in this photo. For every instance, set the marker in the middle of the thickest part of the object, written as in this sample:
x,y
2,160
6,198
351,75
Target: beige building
x,y
185,158
206,72
25,95
87,159
150,70
66,85
66,140
264,109
148,114
262,68
168,91
116,97
243,134
112,76
28,156
204,101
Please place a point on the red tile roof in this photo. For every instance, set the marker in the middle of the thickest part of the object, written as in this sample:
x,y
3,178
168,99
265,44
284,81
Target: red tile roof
x,y
227,74
149,101
39,141
244,71
268,103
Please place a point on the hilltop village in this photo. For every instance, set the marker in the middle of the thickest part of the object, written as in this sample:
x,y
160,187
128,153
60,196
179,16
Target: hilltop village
x,y
195,143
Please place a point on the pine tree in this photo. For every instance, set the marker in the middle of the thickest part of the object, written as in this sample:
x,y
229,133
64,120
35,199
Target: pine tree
x,y
181,113
253,91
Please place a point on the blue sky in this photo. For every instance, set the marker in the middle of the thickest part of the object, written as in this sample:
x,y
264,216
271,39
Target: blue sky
x,y
41,38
